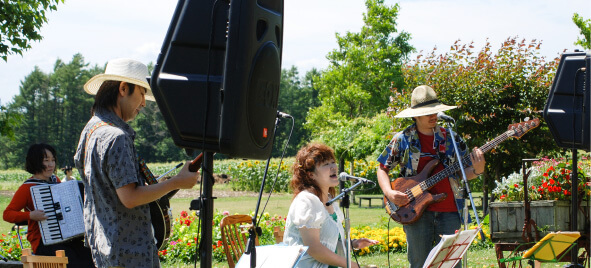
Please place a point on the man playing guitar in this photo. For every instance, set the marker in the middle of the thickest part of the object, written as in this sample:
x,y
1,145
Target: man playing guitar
x,y
117,216
425,145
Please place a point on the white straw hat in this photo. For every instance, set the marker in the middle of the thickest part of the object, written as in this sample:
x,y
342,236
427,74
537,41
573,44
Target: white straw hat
x,y
423,101
125,70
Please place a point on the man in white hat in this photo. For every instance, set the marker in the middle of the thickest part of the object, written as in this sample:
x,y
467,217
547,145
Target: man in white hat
x,y
116,211
412,149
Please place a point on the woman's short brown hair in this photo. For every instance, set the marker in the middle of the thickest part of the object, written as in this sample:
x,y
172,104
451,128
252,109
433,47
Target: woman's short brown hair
x,y
305,163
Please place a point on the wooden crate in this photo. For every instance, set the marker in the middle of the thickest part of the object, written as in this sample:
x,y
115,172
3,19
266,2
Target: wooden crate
x,y
507,218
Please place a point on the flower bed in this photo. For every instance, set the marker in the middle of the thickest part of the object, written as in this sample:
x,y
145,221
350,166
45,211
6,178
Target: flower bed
x,y
549,179
184,238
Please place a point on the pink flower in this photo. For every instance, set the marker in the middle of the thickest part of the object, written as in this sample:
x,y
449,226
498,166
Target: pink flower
x,y
226,213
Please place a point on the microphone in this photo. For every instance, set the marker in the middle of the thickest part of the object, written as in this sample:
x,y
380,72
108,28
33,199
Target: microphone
x,y
283,115
444,117
346,177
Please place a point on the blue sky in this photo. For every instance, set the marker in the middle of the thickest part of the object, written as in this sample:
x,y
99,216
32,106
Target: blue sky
x,y
106,29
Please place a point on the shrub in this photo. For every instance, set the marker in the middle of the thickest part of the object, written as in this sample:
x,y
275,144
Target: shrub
x,y
248,175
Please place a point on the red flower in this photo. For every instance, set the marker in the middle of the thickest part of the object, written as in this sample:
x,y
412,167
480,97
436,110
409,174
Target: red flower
x,y
545,174
552,181
533,187
516,185
219,243
188,222
184,214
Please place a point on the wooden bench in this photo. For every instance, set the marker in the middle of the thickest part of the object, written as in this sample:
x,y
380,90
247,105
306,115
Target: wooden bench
x,y
369,198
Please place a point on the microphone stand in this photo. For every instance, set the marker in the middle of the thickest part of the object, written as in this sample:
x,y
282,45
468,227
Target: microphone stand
x,y
467,189
345,204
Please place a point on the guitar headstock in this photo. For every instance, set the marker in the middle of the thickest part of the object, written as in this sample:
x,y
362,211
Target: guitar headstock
x,y
519,129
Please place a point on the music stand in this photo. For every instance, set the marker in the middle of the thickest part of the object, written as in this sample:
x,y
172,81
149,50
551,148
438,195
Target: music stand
x,y
451,249
550,249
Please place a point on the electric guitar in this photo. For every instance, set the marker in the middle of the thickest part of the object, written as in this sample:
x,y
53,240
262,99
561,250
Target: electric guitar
x,y
416,187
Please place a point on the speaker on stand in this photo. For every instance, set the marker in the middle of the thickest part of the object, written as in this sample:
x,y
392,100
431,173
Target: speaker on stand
x,y
567,113
216,82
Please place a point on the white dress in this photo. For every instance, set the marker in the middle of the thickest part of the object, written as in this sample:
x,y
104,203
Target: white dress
x,y
308,211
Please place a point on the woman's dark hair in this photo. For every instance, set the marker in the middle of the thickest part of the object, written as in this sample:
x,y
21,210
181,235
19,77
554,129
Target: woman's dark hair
x,y
106,97
305,163
35,155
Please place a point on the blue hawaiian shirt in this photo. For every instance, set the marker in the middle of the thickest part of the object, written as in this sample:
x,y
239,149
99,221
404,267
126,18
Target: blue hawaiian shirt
x,y
405,150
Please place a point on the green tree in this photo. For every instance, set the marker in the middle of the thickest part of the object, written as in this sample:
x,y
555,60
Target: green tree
x,y
355,86
54,108
21,23
8,121
491,91
585,29
296,96
153,140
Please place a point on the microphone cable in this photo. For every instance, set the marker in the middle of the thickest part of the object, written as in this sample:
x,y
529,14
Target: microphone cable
x,y
278,167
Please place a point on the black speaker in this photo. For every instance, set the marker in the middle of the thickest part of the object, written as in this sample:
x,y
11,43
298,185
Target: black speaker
x,y
568,104
217,77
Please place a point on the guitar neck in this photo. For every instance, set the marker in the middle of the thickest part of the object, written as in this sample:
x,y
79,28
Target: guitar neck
x,y
431,181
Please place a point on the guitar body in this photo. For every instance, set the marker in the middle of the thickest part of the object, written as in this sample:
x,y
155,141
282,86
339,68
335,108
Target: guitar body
x,y
412,211
161,219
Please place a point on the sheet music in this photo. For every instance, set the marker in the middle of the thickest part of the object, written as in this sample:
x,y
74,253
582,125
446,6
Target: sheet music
x,y
451,248
274,256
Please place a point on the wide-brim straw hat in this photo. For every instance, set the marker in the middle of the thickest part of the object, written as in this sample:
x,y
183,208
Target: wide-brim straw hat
x,y
423,101
125,70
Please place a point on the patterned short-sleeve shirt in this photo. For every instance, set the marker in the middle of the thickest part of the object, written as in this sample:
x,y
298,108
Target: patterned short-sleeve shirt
x,y
106,160
405,150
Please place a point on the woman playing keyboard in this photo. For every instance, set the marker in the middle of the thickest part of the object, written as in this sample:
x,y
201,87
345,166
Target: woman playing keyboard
x,y
41,163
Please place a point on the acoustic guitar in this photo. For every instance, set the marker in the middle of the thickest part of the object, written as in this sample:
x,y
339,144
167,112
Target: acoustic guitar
x,y
417,187
160,209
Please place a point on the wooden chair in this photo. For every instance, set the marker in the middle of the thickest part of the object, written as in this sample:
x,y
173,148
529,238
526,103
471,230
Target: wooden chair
x,y
235,236
278,234
31,261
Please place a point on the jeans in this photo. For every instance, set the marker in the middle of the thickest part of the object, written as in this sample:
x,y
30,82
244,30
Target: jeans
x,y
424,234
